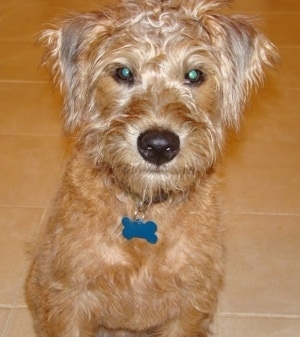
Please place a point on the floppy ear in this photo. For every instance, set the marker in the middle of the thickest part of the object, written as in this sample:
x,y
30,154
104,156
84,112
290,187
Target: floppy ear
x,y
243,53
67,52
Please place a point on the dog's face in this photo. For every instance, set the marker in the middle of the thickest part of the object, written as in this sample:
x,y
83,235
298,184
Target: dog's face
x,y
150,87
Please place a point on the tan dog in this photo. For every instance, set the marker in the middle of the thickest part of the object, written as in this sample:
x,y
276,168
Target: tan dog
x,y
133,246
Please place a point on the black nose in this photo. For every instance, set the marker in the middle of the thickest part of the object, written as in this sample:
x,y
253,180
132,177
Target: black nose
x,y
158,147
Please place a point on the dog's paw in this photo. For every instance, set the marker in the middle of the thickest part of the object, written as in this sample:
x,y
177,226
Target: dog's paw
x,y
139,229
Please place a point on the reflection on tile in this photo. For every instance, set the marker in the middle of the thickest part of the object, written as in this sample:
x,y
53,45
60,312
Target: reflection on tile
x,y
30,166
262,269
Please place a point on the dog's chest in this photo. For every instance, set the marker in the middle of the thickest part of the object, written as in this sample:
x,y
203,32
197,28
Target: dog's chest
x,y
140,287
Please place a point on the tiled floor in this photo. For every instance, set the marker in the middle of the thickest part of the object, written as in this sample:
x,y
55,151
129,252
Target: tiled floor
x,y
262,171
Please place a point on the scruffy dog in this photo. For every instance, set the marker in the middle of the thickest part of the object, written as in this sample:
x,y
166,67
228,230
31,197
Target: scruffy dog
x,y
133,246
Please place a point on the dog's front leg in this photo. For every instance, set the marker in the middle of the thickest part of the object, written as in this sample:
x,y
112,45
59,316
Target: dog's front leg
x,y
191,324
61,321
57,320
56,313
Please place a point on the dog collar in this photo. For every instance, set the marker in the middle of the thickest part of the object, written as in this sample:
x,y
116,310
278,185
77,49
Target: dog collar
x,y
155,199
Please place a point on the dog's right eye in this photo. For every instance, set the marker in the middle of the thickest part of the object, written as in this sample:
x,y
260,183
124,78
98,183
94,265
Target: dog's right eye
x,y
124,75
194,77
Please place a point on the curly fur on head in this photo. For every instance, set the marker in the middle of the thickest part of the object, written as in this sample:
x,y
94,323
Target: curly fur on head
x,y
235,49
160,42
150,88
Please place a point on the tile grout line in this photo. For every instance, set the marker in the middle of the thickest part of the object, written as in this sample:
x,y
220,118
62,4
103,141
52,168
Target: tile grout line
x,y
12,311
258,315
24,81
217,324
263,214
15,306
11,306
261,12
30,135
22,207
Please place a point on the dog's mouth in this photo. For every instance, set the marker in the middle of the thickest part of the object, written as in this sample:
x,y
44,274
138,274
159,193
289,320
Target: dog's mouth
x,y
150,165
153,184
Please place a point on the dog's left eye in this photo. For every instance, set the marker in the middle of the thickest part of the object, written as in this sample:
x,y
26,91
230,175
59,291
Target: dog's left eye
x,y
124,74
194,76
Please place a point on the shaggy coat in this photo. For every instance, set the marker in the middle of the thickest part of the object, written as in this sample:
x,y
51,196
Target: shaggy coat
x,y
149,88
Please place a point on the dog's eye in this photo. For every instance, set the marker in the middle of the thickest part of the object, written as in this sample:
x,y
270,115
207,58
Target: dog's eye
x,y
194,76
124,74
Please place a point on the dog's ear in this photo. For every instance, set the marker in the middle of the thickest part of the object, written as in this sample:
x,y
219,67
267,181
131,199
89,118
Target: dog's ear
x,y
67,51
243,53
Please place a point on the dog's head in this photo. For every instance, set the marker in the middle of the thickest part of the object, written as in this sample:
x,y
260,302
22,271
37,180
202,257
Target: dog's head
x,y
150,86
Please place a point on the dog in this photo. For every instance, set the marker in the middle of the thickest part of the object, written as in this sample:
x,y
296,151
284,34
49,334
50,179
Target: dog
x,y
133,246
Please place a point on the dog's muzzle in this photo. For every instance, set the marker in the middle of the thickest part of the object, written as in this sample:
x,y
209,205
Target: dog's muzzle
x,y
158,146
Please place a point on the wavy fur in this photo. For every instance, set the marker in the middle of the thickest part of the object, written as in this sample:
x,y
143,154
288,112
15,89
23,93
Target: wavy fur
x,y
86,279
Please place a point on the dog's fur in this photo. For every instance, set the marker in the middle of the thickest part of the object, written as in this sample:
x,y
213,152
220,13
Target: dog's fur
x,y
86,278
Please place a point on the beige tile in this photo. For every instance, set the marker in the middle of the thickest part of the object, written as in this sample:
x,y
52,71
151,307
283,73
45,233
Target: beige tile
x,y
17,226
60,5
20,60
4,313
262,265
287,74
3,7
30,167
266,6
36,111
283,28
21,324
259,327
23,22
262,177
262,171
272,116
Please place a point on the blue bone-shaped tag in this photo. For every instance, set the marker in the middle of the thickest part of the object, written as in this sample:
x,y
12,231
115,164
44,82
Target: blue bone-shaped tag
x,y
139,229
